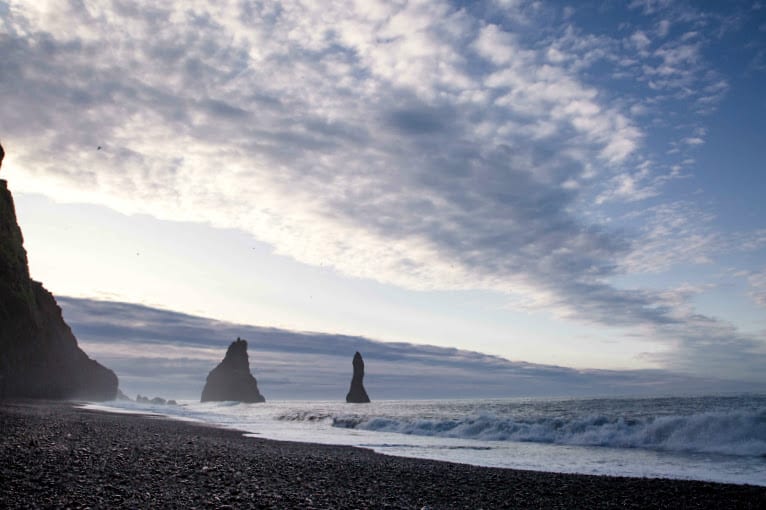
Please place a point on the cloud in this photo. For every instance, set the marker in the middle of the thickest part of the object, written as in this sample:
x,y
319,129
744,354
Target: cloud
x,y
634,186
640,40
757,282
650,6
693,140
158,352
372,122
709,345
678,233
663,27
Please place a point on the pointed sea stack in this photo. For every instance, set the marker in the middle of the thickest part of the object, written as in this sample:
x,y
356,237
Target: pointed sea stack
x,y
39,355
357,394
231,379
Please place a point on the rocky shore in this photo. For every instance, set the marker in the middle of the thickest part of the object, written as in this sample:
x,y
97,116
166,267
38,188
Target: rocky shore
x,y
56,455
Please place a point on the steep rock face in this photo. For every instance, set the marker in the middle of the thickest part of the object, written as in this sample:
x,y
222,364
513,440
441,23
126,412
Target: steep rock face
x,y
39,356
231,379
357,394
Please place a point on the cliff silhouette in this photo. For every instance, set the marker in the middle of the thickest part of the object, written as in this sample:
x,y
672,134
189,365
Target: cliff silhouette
x,y
39,355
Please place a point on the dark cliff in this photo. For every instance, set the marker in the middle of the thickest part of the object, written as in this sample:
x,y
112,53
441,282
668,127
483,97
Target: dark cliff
x,y
231,379
39,356
357,394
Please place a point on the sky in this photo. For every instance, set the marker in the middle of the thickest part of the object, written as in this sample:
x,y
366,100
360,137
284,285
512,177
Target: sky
x,y
563,184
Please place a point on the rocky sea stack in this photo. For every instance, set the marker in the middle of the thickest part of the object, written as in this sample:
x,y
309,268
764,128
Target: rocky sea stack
x,y
231,379
39,356
357,393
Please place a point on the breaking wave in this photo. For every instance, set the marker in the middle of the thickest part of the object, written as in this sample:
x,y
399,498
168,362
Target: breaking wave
x,y
738,433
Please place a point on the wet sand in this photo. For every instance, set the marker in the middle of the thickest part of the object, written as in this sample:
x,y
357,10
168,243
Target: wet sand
x,y
55,455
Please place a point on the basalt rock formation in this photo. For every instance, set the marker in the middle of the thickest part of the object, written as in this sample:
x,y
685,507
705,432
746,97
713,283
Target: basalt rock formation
x,y
357,393
39,355
231,379
159,401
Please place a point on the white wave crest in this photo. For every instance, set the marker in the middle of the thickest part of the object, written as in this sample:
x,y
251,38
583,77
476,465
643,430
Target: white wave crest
x,y
738,433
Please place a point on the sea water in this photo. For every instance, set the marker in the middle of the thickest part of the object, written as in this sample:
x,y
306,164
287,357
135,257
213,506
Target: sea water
x,y
713,438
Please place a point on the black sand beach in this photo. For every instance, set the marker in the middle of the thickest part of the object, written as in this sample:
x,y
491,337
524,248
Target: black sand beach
x,y
57,455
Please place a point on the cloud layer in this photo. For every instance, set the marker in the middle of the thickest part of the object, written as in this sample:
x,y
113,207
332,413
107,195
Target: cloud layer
x,y
164,353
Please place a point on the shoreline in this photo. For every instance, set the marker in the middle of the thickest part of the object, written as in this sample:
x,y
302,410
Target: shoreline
x,y
292,421
55,454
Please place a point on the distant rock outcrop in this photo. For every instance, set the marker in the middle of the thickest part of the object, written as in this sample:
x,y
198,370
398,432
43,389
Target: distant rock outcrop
x,y
39,355
159,401
231,379
357,393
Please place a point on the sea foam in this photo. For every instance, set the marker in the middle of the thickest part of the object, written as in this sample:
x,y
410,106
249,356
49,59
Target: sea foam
x,y
739,433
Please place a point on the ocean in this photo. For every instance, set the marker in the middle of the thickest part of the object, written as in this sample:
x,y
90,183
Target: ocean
x,y
712,438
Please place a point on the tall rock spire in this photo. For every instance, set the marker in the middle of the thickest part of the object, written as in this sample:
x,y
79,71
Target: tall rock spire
x,y
357,393
231,379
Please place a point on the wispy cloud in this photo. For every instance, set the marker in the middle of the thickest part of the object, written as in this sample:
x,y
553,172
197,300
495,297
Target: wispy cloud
x,y
757,282
680,233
